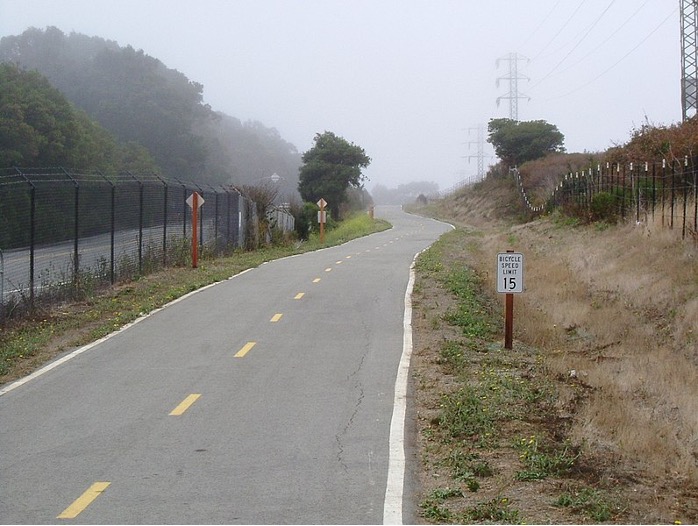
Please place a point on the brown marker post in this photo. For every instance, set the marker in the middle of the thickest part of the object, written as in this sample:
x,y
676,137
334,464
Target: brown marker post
x,y
195,201
509,321
195,230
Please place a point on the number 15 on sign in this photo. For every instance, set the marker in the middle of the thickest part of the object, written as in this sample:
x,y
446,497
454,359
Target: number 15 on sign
x,y
510,266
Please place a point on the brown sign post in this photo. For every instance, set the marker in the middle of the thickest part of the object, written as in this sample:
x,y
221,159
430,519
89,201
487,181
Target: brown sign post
x,y
510,267
195,201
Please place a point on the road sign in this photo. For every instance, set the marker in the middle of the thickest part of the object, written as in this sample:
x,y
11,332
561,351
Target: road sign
x,y
199,200
322,203
322,217
510,272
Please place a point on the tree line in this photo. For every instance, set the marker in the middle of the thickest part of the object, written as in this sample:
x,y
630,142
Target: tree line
x,y
156,115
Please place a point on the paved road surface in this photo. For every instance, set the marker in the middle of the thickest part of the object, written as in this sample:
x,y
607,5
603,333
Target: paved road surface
x,y
263,399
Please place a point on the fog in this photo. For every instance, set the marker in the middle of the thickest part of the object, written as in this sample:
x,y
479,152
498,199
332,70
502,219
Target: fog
x,y
409,81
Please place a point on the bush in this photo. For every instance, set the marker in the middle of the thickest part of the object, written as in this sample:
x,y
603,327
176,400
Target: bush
x,y
604,207
305,216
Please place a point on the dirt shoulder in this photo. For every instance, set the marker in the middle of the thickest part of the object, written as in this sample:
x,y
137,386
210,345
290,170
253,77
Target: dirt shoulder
x,y
567,427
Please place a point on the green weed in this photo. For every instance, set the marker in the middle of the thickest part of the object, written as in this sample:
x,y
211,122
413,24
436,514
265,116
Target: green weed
x,y
541,462
433,504
593,503
496,510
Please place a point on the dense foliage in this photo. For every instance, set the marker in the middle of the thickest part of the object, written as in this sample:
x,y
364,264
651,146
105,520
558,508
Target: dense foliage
x,y
516,142
139,100
330,168
39,127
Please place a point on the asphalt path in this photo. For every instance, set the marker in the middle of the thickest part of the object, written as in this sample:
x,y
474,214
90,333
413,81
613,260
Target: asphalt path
x,y
266,398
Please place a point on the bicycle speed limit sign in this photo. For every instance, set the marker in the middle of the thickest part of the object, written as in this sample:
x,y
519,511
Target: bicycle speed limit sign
x,y
510,272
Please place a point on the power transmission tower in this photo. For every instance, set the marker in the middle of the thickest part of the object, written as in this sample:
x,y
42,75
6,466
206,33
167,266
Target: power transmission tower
x,y
513,78
480,155
689,58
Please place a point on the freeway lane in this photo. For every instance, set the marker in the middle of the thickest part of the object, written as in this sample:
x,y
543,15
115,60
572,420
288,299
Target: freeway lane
x,y
264,399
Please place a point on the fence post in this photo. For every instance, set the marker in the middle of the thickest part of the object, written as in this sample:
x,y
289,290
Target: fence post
x,y
2,286
227,219
684,184
663,193
695,200
76,228
32,233
111,227
673,183
165,190
215,222
164,219
201,221
654,188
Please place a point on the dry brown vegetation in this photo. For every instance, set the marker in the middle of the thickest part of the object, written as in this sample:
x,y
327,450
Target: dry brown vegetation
x,y
612,313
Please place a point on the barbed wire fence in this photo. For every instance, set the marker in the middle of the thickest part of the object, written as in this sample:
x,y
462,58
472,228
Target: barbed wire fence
x,y
62,232
666,192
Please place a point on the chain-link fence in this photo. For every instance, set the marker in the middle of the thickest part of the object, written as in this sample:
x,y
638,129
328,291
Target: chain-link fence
x,y
63,230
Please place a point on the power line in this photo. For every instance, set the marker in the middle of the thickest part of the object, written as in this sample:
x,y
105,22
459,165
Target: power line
x,y
578,88
545,18
609,37
591,27
561,29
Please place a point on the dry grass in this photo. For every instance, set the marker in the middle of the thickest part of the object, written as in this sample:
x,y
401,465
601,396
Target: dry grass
x,y
615,312
622,308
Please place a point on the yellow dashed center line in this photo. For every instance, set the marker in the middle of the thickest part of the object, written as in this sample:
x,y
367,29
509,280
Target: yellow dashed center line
x,y
184,405
275,318
328,269
348,257
316,280
84,500
338,262
299,295
242,352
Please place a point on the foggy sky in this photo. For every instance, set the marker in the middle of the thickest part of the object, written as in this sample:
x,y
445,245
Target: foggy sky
x,y
409,81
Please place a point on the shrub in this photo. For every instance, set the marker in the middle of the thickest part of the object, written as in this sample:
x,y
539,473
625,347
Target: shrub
x,y
604,207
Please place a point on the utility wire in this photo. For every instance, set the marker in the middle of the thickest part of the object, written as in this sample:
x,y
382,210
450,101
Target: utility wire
x,y
591,27
560,30
545,18
578,88
609,37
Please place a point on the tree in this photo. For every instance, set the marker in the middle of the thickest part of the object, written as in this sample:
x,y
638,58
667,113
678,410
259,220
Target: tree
x,y
329,168
517,142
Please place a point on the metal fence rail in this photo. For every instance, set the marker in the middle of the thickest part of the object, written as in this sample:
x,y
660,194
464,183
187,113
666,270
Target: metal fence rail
x,y
60,228
666,192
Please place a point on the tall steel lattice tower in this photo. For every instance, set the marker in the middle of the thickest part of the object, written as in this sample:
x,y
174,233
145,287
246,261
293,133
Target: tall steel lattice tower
x,y
480,155
513,78
689,58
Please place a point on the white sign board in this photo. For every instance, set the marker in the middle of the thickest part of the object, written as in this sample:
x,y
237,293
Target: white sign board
x,y
322,217
322,203
199,200
510,272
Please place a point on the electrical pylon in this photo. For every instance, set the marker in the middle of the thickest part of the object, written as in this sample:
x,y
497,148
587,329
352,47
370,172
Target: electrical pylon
x,y
689,58
480,155
513,78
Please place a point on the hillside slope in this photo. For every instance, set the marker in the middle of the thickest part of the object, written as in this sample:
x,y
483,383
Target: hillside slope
x,y
609,318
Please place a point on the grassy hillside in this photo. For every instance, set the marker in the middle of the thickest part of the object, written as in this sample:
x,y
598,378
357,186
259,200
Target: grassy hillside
x,y
608,324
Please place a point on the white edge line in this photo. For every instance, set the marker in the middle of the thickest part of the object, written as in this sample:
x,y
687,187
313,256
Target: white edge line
x,y
394,491
89,346
392,506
